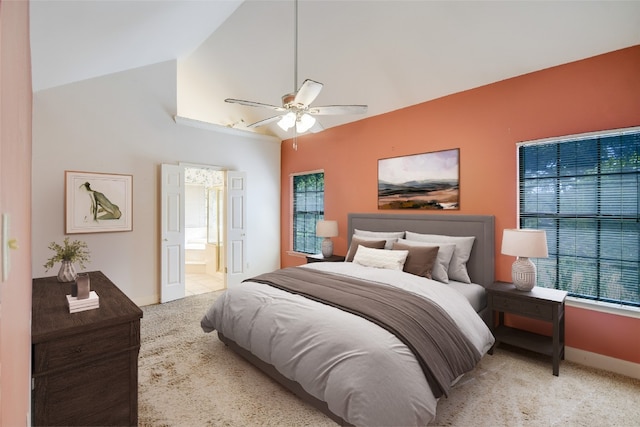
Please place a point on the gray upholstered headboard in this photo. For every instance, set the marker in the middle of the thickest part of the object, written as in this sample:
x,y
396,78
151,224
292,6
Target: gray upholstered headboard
x,y
481,266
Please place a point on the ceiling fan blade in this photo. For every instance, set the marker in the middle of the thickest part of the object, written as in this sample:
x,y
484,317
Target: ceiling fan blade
x,y
264,122
254,104
307,93
328,110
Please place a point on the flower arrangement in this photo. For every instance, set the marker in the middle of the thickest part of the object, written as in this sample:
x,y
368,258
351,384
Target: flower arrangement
x,y
76,252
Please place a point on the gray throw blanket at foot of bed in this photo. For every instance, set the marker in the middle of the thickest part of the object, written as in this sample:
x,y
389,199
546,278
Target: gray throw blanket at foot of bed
x,y
441,349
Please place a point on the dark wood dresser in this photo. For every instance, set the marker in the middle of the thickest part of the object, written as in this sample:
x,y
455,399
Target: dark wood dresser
x,y
85,365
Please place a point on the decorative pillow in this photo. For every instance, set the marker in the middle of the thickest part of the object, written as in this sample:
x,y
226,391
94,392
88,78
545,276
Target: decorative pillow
x,y
356,241
389,236
380,258
420,260
458,266
441,267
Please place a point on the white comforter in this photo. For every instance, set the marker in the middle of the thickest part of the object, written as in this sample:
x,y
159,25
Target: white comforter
x,y
364,373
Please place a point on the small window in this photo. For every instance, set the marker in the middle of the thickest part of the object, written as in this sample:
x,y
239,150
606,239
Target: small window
x,y
308,209
583,191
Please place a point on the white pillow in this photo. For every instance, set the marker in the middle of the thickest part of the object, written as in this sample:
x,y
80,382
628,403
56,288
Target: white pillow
x,y
380,258
458,266
445,253
389,236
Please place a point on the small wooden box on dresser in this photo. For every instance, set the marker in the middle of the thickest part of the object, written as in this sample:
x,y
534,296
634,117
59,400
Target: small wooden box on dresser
x,y
539,303
85,364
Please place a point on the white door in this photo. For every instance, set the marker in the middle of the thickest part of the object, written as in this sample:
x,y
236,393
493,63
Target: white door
x,y
172,234
236,223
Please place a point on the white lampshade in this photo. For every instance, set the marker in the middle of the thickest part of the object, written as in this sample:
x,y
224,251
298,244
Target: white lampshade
x,y
327,228
305,123
524,244
287,121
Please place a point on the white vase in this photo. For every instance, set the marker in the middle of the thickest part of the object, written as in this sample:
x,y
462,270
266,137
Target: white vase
x,y
67,272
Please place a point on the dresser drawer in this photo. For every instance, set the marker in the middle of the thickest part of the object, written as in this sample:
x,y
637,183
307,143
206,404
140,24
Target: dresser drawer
x,y
80,348
530,308
96,394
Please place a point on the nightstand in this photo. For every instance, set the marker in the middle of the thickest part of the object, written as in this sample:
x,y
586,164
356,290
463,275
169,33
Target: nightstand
x,y
539,303
320,258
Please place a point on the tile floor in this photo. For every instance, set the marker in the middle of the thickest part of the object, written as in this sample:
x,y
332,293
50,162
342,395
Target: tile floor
x,y
197,283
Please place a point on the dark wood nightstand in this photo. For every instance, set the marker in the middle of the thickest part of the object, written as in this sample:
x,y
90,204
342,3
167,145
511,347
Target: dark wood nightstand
x,y
539,303
320,258
85,365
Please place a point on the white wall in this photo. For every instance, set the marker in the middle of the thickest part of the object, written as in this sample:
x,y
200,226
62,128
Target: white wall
x,y
123,123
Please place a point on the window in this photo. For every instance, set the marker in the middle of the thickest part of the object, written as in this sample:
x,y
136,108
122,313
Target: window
x,y
308,209
583,191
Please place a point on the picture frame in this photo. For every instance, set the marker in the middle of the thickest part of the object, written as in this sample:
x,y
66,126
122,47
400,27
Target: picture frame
x,y
98,202
427,181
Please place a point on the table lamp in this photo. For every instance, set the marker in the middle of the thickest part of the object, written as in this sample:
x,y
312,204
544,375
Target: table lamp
x,y
524,244
327,229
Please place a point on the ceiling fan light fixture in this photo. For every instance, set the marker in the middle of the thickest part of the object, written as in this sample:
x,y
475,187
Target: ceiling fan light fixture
x,y
288,99
296,109
305,123
287,121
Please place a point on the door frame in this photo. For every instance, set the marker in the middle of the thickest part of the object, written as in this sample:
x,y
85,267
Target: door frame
x,y
237,235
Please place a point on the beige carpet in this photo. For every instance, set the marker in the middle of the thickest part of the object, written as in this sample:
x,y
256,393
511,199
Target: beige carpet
x,y
189,378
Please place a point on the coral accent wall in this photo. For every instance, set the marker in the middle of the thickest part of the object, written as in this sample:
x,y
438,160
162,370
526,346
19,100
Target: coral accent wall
x,y
485,123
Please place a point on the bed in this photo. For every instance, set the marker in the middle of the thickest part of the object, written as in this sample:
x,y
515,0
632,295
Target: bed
x,y
355,368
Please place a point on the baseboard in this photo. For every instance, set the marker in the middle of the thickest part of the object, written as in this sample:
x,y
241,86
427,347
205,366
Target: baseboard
x,y
195,267
146,300
600,361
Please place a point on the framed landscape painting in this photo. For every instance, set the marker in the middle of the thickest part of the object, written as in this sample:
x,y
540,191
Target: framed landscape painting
x,y
428,181
98,202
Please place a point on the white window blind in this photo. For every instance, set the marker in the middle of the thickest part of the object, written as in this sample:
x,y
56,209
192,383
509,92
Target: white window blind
x,y
308,209
583,191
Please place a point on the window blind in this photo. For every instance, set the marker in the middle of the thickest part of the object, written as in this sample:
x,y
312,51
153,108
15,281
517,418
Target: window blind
x,y
584,193
308,209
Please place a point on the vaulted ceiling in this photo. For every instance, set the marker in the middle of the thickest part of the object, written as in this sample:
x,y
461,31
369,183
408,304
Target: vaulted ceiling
x,y
386,54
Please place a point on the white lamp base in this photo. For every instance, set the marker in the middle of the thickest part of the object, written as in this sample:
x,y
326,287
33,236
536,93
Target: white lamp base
x,y
523,274
327,247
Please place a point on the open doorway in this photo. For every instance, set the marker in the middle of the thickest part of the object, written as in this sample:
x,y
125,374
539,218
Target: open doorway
x,y
204,230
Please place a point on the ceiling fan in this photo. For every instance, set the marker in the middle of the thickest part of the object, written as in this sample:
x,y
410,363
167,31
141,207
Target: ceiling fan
x,y
296,111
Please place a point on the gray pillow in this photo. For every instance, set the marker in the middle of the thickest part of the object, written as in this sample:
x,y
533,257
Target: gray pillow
x,y
445,253
389,236
463,245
